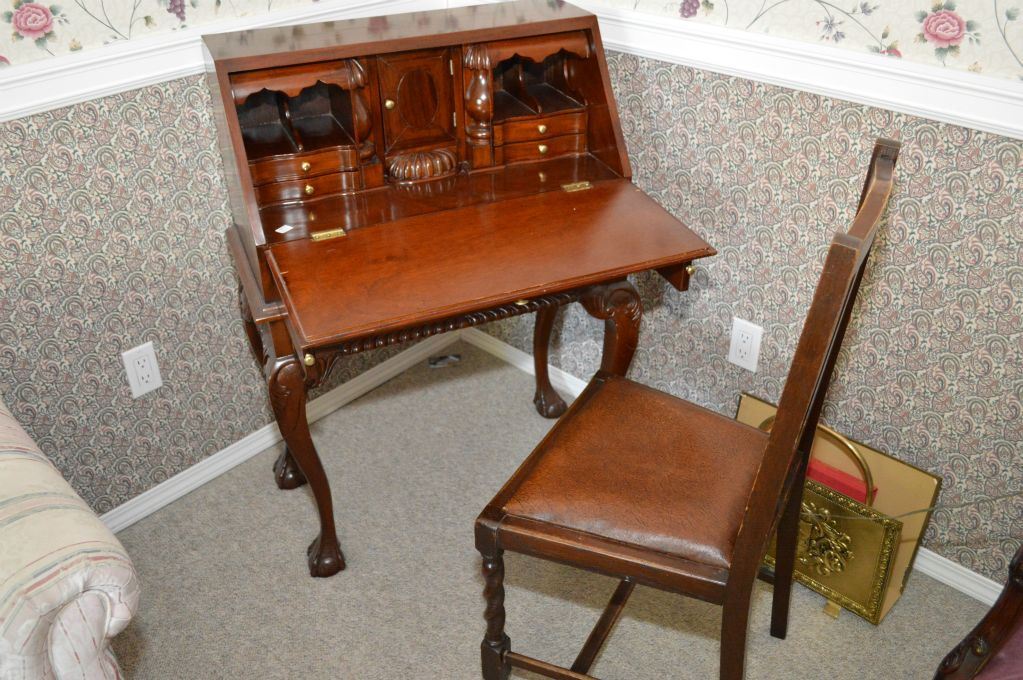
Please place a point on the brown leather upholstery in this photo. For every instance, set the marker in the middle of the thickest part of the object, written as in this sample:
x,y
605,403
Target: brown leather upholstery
x,y
641,467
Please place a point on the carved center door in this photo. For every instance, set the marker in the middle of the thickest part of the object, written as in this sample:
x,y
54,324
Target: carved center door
x,y
417,99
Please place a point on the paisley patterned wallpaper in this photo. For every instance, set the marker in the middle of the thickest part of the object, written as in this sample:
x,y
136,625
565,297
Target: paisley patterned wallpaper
x,y
983,36
932,369
111,221
112,218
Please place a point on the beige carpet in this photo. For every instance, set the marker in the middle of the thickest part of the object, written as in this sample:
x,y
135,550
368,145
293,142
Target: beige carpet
x,y
226,593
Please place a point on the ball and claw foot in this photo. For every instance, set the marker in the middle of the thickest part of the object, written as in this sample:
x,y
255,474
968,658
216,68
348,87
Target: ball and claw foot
x,y
324,559
287,474
549,403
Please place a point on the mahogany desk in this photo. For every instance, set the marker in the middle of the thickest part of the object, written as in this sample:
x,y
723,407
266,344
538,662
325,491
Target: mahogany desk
x,y
398,177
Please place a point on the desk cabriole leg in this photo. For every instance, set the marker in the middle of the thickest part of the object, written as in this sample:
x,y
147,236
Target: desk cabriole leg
x,y
288,399
286,471
548,402
618,304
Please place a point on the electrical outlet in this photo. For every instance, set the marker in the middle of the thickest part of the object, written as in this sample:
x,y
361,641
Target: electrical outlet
x,y
745,348
142,369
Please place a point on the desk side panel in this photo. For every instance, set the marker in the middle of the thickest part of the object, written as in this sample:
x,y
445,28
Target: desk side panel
x,y
605,128
244,210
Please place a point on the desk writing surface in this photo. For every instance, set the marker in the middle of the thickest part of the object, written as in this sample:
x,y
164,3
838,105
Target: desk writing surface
x,y
429,267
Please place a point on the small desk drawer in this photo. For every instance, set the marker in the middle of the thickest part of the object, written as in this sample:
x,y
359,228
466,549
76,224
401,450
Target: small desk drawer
x,y
540,128
541,149
304,165
308,189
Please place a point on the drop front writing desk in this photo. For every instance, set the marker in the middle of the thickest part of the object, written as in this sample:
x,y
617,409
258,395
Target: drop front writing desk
x,y
397,177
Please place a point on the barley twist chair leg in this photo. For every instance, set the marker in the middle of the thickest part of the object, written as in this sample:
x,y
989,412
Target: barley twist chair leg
x,y
495,642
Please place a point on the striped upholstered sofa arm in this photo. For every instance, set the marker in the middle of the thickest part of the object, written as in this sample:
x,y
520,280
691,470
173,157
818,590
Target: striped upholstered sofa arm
x,y
66,584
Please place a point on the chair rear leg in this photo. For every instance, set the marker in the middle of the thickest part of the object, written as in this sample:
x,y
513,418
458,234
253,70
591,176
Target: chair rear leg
x,y
734,628
785,563
495,642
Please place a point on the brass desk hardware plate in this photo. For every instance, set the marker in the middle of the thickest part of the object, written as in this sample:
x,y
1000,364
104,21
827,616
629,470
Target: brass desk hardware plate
x,y
577,186
327,235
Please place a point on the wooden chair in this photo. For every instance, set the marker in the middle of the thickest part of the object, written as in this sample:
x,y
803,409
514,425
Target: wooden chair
x,y
651,489
994,649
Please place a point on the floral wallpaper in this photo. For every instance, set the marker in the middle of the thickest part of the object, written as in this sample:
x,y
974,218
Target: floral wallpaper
x,y
34,30
112,219
983,36
932,368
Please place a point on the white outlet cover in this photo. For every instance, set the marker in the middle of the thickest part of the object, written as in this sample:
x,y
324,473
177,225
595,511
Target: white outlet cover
x,y
142,369
744,349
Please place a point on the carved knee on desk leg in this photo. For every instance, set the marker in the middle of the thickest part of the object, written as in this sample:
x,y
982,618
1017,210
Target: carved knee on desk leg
x,y
288,399
548,402
618,304
495,643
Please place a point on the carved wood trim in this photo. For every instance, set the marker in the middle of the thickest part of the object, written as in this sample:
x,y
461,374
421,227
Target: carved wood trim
x,y
362,118
420,166
452,324
479,102
619,305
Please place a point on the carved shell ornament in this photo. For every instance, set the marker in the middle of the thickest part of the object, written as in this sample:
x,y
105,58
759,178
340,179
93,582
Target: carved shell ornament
x,y
419,166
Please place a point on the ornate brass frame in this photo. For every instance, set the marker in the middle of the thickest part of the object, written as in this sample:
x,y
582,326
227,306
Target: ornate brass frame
x,y
867,521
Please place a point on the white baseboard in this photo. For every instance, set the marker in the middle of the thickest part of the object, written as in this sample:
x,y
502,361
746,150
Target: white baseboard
x,y
927,561
217,464
957,576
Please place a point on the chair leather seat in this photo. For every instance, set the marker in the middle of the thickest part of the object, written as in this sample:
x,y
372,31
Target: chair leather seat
x,y
634,465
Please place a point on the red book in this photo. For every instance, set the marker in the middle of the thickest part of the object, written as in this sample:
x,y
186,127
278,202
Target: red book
x,y
842,482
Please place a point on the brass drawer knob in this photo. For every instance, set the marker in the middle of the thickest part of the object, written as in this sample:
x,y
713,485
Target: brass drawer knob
x,y
309,359
389,104
542,149
541,128
309,189
690,269
306,166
